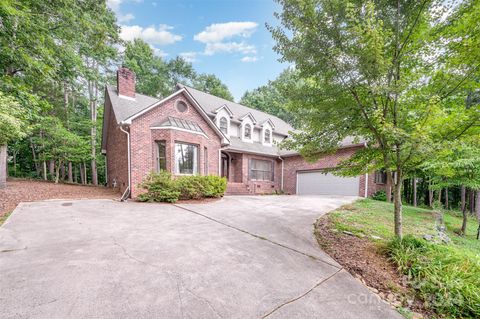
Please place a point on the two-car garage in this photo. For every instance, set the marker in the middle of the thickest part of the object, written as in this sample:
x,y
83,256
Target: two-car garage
x,y
321,183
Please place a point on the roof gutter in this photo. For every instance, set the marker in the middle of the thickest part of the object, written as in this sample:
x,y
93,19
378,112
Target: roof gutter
x,y
281,179
127,192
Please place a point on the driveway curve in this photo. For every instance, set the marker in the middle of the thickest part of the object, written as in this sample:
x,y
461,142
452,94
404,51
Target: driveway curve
x,y
239,257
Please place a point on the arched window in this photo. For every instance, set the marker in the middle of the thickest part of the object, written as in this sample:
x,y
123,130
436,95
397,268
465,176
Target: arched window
x,y
247,131
267,136
224,125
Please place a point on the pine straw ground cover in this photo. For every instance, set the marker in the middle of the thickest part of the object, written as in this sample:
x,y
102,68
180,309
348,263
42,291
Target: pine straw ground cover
x,y
418,278
19,190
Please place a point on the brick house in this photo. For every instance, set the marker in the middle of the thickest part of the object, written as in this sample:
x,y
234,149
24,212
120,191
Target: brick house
x,y
192,132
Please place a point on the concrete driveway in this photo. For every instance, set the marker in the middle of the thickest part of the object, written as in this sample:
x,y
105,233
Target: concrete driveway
x,y
239,257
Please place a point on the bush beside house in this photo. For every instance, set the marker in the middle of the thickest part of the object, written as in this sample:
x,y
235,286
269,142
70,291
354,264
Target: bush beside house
x,y
161,187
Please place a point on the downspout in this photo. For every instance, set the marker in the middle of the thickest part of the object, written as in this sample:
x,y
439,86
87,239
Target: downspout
x,y
126,194
366,179
281,179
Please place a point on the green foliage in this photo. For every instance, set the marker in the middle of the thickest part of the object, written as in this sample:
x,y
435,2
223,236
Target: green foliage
x,y
270,98
209,83
12,119
447,279
190,186
381,72
161,187
214,186
380,195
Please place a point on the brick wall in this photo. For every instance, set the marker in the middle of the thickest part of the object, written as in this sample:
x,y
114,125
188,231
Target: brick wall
x,y
126,82
297,163
256,187
117,153
143,140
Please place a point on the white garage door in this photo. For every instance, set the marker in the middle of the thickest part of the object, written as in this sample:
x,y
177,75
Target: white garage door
x,y
320,183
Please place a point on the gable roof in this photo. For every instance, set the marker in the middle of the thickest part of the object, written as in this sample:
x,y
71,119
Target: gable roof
x,y
210,103
123,108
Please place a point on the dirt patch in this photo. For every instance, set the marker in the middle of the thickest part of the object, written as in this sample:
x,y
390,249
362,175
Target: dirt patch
x,y
366,262
18,190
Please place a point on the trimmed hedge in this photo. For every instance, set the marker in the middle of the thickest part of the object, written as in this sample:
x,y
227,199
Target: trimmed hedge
x,y
161,187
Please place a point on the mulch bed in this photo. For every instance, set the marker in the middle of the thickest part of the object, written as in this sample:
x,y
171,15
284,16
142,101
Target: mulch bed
x,y
366,262
20,190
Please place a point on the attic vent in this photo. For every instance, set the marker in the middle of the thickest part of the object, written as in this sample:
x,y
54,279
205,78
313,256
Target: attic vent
x,y
182,107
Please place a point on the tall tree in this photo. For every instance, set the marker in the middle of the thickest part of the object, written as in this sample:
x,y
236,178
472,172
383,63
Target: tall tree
x,y
209,83
270,99
390,73
154,76
12,127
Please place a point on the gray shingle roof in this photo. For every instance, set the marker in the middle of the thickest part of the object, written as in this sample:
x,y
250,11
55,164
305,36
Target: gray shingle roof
x,y
123,108
238,145
180,123
210,103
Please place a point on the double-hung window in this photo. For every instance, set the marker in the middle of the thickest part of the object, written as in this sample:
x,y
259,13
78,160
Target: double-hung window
x,y
261,170
161,156
186,158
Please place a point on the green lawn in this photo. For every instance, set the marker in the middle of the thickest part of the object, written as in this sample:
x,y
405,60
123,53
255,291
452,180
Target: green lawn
x,y
370,217
445,277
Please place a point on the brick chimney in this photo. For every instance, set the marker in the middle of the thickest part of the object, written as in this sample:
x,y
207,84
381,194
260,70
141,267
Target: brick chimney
x,y
126,82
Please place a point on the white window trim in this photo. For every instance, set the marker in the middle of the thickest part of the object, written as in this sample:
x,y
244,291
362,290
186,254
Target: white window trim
x,y
263,135
250,140
228,123
175,168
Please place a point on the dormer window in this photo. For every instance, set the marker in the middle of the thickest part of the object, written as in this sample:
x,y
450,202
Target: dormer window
x,y
247,132
224,125
267,137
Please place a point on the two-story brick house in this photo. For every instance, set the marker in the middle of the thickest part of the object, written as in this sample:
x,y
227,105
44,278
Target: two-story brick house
x,y
192,132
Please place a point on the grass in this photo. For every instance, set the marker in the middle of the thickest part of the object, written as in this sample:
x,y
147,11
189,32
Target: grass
x,y
4,217
376,219
445,277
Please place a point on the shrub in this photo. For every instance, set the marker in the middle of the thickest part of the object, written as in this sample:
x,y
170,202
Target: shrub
x,y
214,186
445,278
190,187
159,188
380,195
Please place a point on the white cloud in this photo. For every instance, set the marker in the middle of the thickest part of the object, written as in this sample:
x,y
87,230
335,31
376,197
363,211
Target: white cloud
x,y
249,59
229,47
219,37
189,56
151,34
115,6
125,17
220,31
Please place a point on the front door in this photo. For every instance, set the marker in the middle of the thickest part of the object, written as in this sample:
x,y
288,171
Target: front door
x,y
225,165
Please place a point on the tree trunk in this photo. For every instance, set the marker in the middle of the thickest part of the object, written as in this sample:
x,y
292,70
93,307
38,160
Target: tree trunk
x,y
440,196
472,201
82,175
446,198
397,203
430,197
463,192
388,188
3,166
414,186
463,231
70,173
75,177
57,171
51,168
477,204
63,172
85,172
44,166
93,96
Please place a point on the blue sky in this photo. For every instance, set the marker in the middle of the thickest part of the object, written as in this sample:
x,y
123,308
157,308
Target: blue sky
x,y
227,38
